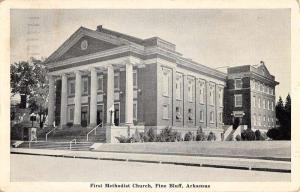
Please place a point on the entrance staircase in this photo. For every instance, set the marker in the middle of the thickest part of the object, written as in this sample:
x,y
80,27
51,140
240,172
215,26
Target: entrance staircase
x,y
79,133
230,133
78,146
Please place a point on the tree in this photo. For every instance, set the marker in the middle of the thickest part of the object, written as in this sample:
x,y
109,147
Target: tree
x,y
29,79
283,114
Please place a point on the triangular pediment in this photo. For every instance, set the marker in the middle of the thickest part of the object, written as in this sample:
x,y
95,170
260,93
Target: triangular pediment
x,y
84,42
262,69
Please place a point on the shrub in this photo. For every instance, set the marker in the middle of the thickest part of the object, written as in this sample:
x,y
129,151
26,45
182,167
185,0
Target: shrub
x,y
168,135
248,135
211,137
148,136
238,138
274,134
257,135
136,136
123,139
200,135
188,136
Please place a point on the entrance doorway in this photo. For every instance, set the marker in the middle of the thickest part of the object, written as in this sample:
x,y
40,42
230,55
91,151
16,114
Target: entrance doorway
x,y
84,116
100,114
236,122
117,114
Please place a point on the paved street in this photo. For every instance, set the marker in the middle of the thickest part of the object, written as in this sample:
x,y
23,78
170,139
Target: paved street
x,y
43,168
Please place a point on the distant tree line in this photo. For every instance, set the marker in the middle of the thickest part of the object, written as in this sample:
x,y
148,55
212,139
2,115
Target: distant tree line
x,y
283,114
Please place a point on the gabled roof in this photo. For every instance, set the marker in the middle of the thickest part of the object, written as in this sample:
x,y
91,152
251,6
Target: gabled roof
x,y
81,32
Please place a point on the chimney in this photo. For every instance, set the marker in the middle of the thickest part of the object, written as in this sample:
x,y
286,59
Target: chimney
x,y
99,28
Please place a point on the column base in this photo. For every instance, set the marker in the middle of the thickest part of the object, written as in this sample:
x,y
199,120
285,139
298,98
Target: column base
x,y
77,126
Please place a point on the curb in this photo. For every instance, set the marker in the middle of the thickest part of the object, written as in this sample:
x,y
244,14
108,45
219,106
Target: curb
x,y
163,162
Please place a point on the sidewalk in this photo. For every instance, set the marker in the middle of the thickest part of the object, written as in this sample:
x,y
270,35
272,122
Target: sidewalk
x,y
219,162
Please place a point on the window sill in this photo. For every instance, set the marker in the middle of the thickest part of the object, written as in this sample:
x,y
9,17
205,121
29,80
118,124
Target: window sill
x,y
201,121
165,118
166,96
211,122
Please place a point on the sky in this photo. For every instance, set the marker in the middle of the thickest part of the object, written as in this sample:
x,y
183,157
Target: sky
x,y
213,37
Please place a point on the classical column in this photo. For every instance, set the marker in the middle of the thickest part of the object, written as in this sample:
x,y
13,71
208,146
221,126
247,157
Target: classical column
x,y
77,100
129,95
63,104
110,94
51,100
93,104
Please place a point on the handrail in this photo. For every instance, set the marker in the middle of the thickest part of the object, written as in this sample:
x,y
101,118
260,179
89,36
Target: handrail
x,y
71,143
50,132
94,129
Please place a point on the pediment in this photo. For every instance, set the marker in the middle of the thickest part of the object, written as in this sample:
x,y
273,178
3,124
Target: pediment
x,y
84,42
262,69
84,46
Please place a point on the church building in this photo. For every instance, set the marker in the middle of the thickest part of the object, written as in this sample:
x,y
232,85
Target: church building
x,y
113,79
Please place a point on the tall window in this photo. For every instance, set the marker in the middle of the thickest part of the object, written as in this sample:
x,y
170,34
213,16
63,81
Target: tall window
x,y
71,113
238,84
264,103
166,82
190,89
71,87
201,116
257,85
254,101
134,75
100,83
117,81
135,110
269,105
220,117
261,87
201,91
254,119
220,96
178,86
85,85
259,102
165,112
238,100
259,120
211,94
178,114
211,117
272,106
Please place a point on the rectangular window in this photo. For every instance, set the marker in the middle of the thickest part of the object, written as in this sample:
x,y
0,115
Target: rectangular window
x,y
254,119
165,112
201,116
178,86
178,114
264,103
212,94
221,97
201,92
238,84
211,117
190,90
85,85
166,82
71,87
257,85
269,105
259,120
259,102
134,79
272,105
261,87
220,117
254,101
70,113
100,83
264,123
134,110
238,100
117,81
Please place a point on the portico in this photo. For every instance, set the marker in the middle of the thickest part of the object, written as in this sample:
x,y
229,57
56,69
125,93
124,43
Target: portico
x,y
92,97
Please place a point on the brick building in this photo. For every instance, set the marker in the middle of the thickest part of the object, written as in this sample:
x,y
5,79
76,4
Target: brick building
x,y
105,76
250,97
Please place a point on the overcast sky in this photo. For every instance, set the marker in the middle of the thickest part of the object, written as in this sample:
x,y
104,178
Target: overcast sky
x,y
214,38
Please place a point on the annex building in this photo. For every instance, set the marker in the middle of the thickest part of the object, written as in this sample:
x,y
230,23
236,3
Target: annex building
x,y
103,76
